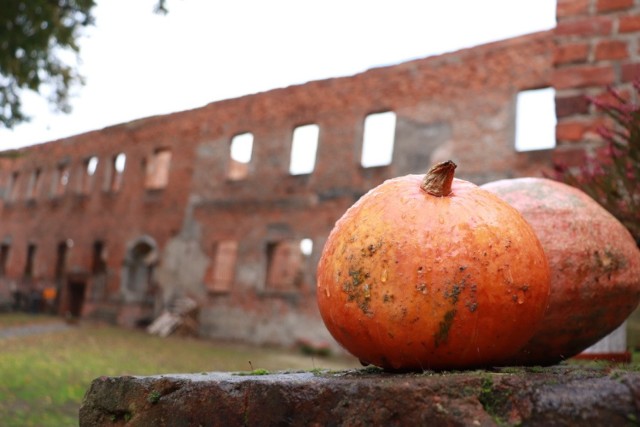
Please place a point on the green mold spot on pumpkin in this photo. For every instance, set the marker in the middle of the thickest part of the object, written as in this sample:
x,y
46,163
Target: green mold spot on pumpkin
x,y
358,277
355,292
455,292
609,261
445,325
371,249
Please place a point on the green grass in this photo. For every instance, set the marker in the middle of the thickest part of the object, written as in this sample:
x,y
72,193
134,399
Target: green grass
x,y
43,378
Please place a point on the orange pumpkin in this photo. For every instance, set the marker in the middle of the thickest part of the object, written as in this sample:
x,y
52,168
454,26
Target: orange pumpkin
x,y
594,261
432,272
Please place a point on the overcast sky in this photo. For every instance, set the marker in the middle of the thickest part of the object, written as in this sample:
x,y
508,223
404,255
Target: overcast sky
x,y
138,64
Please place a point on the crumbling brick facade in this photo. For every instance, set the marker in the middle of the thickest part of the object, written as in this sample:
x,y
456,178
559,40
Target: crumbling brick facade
x,y
597,45
180,216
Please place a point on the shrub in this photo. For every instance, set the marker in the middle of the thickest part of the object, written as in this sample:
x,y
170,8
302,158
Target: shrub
x,y
611,174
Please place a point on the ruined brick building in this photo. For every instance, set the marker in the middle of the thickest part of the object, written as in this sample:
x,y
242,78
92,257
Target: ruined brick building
x,y
123,220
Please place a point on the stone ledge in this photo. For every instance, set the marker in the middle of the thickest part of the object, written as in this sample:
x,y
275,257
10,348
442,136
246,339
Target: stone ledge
x,y
556,396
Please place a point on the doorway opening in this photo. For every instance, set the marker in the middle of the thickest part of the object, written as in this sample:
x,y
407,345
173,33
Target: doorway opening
x,y
76,294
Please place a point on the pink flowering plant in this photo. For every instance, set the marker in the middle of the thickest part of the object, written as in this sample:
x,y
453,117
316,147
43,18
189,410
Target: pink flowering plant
x,y
611,175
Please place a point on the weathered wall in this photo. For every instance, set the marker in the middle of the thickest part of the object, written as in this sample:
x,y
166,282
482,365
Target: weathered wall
x,y
117,218
230,243
162,243
598,45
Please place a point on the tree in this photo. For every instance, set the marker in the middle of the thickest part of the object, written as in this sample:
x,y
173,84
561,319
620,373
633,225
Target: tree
x,y
35,36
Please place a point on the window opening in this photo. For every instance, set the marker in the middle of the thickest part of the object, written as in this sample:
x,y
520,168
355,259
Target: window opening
x,y
378,139
120,162
34,184
157,172
99,262
31,254
240,156
4,257
223,267
303,149
306,247
284,265
141,258
535,120
90,167
12,187
117,170
61,261
62,180
140,268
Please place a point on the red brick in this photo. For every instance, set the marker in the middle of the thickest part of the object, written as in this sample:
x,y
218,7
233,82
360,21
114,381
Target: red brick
x,y
571,130
605,96
630,72
571,105
583,129
611,49
571,53
577,77
629,24
586,27
571,8
611,5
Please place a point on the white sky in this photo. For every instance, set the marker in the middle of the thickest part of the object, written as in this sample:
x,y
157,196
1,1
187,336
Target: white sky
x,y
138,64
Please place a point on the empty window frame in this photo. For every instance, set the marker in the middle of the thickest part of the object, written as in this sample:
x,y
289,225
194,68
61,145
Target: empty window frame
x,y
61,259
285,264
306,247
11,194
30,261
535,120
157,169
89,168
61,180
223,267
33,188
99,259
304,147
5,248
116,172
378,139
240,151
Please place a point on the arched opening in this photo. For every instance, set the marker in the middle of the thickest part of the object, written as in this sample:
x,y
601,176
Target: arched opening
x,y
139,263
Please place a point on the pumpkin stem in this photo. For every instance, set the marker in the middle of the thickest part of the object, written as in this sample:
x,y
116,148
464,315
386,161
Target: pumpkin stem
x,y
438,179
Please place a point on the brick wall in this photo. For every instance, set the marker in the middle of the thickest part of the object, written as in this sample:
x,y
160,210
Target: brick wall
x,y
165,233
598,44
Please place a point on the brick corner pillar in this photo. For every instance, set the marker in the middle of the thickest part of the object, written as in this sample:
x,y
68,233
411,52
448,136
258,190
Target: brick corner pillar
x,y
597,45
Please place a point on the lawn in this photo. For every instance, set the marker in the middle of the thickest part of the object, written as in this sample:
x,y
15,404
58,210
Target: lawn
x,y
44,377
